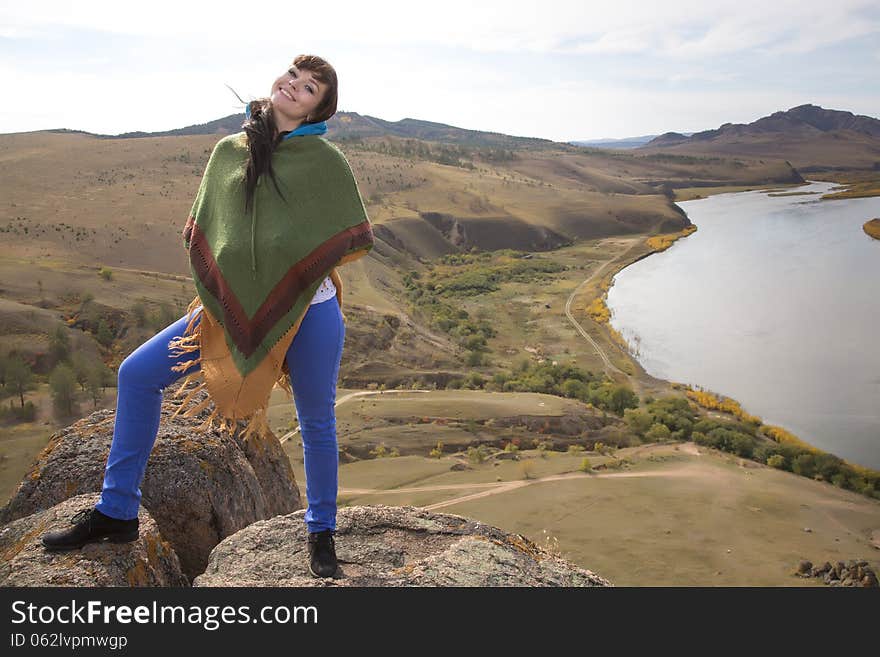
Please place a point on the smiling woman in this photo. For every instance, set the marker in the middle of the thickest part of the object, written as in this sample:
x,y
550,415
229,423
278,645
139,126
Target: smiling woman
x,y
256,322
305,94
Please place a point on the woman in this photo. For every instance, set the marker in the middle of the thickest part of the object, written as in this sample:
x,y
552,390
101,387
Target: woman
x,y
268,309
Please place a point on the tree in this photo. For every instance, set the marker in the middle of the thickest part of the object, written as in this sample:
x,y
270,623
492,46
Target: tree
x,y
104,335
622,397
95,385
62,384
19,377
81,369
59,345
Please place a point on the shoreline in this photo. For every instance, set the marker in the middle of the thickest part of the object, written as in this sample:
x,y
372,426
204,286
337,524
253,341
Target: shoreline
x,y
667,241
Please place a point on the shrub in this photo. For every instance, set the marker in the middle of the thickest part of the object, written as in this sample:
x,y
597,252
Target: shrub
x,y
526,469
106,273
585,465
638,420
743,445
477,455
26,413
657,432
776,461
804,465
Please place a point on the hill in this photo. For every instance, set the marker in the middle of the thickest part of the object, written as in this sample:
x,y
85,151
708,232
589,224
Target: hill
x,y
812,138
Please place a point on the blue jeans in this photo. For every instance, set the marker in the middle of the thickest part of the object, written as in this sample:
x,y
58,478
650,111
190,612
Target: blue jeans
x,y
313,361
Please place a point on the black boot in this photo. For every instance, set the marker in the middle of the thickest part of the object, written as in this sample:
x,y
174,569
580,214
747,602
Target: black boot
x,y
322,553
91,525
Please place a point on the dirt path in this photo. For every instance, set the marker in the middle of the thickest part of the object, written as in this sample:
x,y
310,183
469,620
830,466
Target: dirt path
x,y
496,488
609,366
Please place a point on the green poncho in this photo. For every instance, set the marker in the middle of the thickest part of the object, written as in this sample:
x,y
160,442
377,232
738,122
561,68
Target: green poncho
x,y
256,271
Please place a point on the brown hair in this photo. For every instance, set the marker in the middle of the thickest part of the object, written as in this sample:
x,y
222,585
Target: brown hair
x,y
261,129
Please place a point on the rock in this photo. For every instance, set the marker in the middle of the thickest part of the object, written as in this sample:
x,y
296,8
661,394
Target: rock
x,y
808,530
456,467
380,545
804,568
148,561
198,487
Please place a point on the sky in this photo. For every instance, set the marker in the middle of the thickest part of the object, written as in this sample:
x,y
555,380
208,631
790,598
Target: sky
x,y
553,69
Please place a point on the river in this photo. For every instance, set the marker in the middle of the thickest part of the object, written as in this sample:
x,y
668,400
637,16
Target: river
x,y
773,301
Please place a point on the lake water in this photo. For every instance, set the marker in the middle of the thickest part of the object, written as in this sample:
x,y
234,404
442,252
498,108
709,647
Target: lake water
x,y
773,301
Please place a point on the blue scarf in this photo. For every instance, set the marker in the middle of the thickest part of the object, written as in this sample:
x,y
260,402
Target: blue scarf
x,y
305,129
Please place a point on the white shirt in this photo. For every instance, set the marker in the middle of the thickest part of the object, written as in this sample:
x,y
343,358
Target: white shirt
x,y
325,291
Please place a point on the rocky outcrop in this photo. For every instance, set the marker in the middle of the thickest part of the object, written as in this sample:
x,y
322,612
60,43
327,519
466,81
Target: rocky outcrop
x,y
380,545
855,572
221,511
198,487
148,561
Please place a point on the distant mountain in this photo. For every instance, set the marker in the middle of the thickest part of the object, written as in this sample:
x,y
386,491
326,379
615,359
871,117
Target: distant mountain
x,y
348,125
625,143
810,137
353,126
803,120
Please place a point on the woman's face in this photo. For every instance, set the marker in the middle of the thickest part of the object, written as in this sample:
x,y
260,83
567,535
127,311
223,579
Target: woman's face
x,y
295,95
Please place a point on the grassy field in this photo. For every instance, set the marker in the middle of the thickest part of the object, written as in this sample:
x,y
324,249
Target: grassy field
x,y
678,516
691,193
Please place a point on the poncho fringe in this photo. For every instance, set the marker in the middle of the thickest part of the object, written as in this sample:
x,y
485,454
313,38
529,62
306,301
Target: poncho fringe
x,y
192,341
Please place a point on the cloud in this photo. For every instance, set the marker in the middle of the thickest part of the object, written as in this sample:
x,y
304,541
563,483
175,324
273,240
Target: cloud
x,y
676,28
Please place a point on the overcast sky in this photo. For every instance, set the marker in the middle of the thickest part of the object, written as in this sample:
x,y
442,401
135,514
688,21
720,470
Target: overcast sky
x,y
552,69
